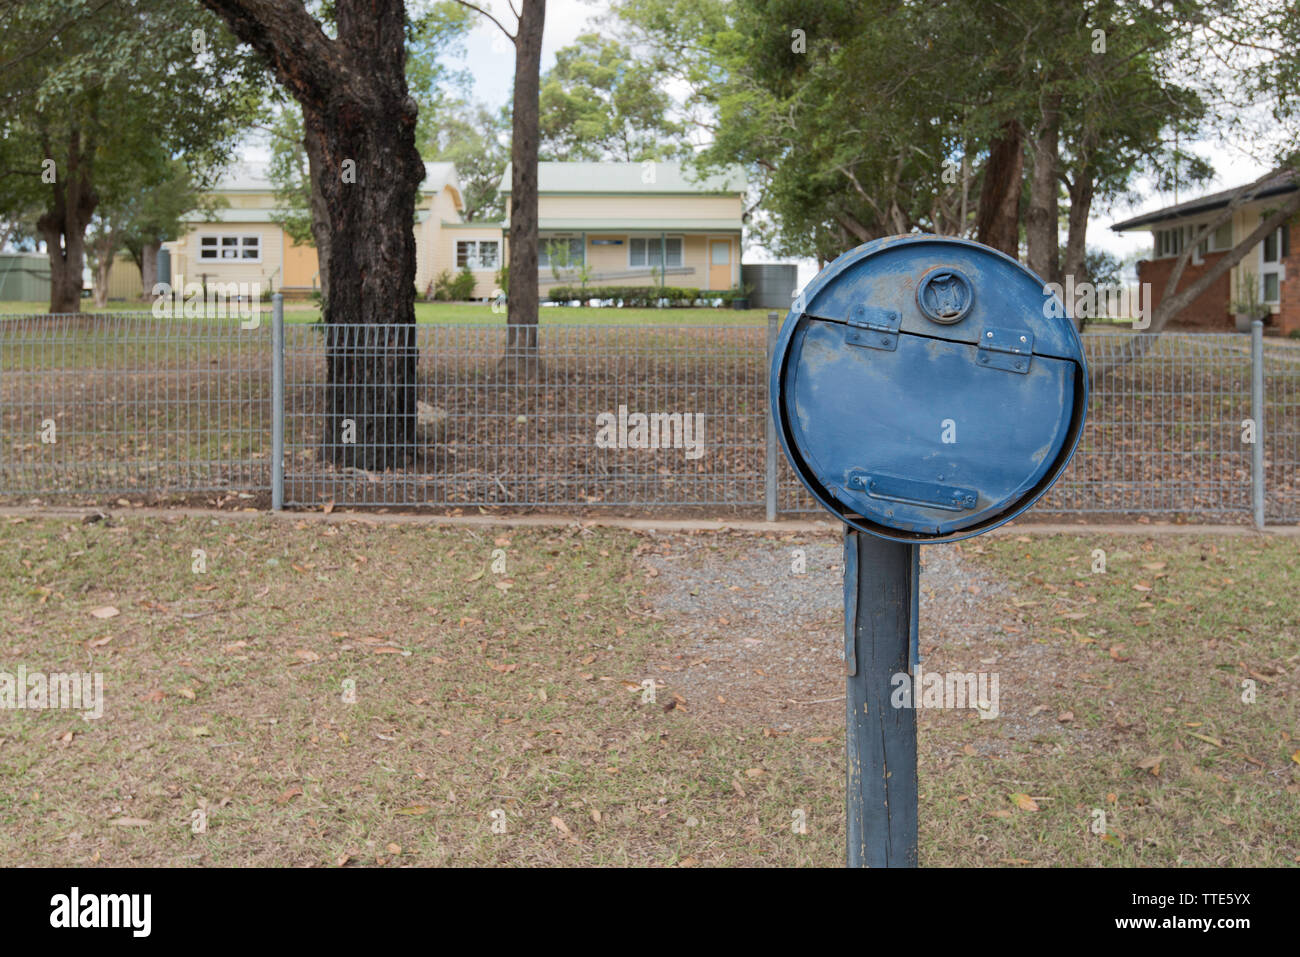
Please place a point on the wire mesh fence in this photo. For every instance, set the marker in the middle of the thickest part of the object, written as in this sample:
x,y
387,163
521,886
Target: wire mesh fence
x,y
592,415
126,403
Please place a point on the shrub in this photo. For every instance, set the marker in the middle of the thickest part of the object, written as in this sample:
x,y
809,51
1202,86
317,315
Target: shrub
x,y
642,296
442,286
462,287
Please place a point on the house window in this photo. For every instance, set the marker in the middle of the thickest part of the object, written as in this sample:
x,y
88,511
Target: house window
x,y
480,254
646,253
565,251
1222,238
231,248
1273,252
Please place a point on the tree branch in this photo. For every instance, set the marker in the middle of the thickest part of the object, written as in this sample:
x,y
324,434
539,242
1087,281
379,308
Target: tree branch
x,y
480,10
305,60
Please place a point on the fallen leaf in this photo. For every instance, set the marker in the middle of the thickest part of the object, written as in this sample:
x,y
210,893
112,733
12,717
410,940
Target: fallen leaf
x,y
1024,802
288,795
132,822
105,611
1065,717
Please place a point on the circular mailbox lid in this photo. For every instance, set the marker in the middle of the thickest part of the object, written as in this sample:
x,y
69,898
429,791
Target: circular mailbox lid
x,y
928,388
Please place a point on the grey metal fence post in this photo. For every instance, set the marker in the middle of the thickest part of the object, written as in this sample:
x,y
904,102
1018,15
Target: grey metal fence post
x,y
769,482
277,402
1257,415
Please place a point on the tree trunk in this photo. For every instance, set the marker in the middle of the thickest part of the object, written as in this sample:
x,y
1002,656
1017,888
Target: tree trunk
x,y
149,268
63,224
998,215
521,311
1076,241
313,142
103,267
354,97
1042,218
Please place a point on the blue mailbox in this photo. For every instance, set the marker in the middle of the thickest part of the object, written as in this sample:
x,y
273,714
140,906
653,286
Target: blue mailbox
x,y
927,389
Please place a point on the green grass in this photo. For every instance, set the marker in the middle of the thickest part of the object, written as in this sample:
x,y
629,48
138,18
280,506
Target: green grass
x,y
460,313
480,692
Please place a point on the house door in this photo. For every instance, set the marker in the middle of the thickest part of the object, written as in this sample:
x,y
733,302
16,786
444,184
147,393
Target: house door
x,y
719,263
300,266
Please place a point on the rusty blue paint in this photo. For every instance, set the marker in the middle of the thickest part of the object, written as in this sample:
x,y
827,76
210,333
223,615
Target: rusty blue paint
x,y
961,430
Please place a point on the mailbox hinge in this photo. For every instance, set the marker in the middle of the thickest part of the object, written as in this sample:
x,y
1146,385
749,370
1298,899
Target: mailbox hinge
x,y
1011,350
873,327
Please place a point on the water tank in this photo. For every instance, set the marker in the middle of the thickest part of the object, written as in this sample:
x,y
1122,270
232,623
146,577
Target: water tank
x,y
770,285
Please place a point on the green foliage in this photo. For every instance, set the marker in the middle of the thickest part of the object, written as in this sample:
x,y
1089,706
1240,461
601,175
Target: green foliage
x,y
864,118
290,175
125,79
600,102
1103,268
477,140
454,288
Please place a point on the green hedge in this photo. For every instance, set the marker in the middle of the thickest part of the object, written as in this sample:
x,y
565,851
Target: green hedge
x,y
641,296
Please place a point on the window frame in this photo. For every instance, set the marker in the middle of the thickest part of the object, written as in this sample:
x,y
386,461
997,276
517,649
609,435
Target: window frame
x,y
679,238
475,260
543,244
241,243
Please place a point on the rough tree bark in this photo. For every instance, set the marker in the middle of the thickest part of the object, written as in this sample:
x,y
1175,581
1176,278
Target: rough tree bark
x,y
361,120
104,247
313,140
148,268
1042,218
63,224
998,216
521,359
1081,190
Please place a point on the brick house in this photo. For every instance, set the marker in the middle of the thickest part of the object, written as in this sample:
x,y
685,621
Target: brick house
x,y
1273,267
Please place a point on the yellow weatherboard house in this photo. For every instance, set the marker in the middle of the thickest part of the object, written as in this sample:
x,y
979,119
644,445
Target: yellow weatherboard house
x,y
608,224
621,222
240,242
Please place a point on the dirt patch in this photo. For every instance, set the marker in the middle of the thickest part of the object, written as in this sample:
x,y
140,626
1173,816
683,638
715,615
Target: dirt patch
x,y
759,634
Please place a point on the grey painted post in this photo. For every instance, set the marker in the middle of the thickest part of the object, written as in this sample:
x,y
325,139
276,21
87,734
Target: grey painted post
x,y
277,402
880,607
769,482
1257,414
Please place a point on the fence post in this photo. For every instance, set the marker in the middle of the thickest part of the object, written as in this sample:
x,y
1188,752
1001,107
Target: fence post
x,y
769,483
277,402
1257,414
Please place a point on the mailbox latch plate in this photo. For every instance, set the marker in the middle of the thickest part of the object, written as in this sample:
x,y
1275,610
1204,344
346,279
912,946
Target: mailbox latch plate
x,y
873,327
892,488
1011,350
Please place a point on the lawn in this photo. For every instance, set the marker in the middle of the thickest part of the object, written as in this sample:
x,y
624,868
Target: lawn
x,y
501,713
468,313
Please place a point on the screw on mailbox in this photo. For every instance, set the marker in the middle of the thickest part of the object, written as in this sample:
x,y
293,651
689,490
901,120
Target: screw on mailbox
x,y
976,334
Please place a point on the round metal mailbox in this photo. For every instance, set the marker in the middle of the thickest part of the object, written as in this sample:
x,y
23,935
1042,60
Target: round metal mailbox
x,y
927,389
